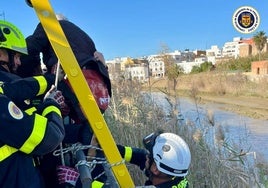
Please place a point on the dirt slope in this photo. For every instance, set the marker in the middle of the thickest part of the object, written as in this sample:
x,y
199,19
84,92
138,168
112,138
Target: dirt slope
x,y
253,107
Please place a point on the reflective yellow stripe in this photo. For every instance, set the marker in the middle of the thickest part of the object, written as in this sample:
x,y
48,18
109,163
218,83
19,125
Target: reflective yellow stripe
x,y
42,84
128,153
97,184
6,151
182,184
1,90
49,109
37,134
30,111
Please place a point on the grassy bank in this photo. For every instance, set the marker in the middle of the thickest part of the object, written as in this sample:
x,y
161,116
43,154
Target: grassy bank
x,y
244,94
216,161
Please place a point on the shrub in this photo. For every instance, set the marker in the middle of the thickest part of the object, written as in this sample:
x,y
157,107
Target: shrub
x,y
216,161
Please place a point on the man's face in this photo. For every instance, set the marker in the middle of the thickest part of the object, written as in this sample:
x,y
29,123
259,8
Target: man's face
x,y
3,55
17,62
148,164
5,58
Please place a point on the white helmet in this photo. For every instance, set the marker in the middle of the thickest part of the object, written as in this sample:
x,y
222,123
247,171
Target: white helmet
x,y
171,154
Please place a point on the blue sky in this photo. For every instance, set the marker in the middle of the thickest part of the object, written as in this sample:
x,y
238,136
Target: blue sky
x,y
137,28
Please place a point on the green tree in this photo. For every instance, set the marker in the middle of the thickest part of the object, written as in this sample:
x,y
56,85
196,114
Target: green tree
x,y
206,66
195,69
172,70
260,39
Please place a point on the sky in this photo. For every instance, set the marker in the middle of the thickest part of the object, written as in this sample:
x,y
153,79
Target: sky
x,y
136,28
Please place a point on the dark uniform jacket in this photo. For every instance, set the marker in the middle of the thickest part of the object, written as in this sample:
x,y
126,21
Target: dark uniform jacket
x,y
24,134
81,44
6,76
177,182
83,48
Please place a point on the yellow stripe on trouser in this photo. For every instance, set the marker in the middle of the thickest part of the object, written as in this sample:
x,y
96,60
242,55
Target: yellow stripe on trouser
x,y
6,151
37,134
1,90
128,153
42,84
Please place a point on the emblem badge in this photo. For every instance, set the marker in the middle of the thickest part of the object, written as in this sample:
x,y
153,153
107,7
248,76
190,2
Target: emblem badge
x,y
246,19
14,111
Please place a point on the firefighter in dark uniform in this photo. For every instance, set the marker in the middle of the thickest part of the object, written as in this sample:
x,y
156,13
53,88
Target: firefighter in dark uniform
x,y
167,162
10,51
95,72
24,134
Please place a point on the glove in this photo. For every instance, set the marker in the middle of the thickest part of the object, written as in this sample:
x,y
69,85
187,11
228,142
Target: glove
x,y
55,95
61,73
65,110
67,175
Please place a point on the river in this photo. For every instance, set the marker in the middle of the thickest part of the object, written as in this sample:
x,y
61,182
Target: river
x,y
250,134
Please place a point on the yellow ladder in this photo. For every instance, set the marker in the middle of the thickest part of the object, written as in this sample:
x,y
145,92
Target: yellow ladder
x,y
83,93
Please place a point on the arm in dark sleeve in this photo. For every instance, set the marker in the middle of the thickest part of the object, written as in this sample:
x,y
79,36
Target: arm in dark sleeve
x,y
28,88
54,129
31,133
135,156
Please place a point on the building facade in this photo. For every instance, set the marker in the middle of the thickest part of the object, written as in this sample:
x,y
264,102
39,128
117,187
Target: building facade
x,y
259,67
153,66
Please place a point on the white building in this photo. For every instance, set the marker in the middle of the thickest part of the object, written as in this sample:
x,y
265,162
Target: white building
x,y
231,49
213,53
137,72
185,56
188,66
156,66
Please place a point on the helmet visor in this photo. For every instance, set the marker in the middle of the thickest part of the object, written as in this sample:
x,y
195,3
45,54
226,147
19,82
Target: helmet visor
x,y
149,141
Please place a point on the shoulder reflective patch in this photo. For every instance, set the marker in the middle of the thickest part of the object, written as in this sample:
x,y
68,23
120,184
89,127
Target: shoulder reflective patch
x,y
14,111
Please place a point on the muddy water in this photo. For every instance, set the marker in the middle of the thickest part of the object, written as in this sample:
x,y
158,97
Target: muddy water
x,y
250,134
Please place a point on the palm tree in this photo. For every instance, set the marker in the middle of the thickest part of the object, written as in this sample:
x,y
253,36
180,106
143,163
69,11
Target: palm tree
x,y
260,39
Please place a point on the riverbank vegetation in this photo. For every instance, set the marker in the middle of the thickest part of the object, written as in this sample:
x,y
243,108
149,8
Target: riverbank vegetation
x,y
217,161
231,80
